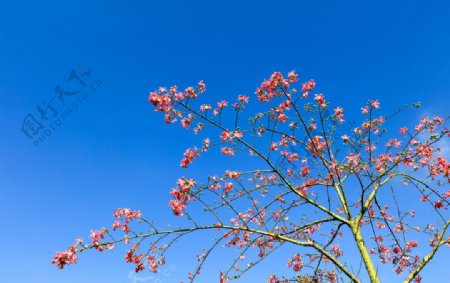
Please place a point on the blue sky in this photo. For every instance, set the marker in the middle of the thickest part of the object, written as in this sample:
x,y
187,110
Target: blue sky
x,y
114,151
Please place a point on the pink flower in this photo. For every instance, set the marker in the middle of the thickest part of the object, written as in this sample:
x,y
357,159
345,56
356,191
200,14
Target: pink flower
x,y
339,114
189,156
312,126
202,86
116,225
292,77
268,89
205,107
438,204
227,151
221,104
177,207
345,138
274,146
199,128
296,263
336,251
316,145
320,98
375,104
226,136
308,86
223,278
186,122
292,157
394,143
438,120
206,144
304,171
353,159
232,174
67,257
365,110
243,99
228,188
190,92
96,236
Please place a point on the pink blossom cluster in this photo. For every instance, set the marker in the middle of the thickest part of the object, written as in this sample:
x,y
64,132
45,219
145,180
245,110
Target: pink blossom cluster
x,y
316,145
274,86
295,262
181,195
66,257
126,215
189,155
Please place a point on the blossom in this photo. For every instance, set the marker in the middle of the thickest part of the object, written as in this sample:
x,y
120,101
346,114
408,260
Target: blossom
x,y
223,278
186,122
394,143
189,155
202,86
353,159
232,174
296,263
345,138
320,98
274,146
316,145
190,92
375,104
177,207
336,251
228,188
205,107
365,110
292,77
304,171
96,236
198,128
206,144
438,204
438,120
307,87
221,104
227,151
243,98
339,114
66,257
282,118
268,89
226,136
127,214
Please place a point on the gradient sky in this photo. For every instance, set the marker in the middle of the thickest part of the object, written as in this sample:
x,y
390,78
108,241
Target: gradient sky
x,y
114,151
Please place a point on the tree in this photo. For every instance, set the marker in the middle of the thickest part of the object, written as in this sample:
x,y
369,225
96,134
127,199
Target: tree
x,y
319,183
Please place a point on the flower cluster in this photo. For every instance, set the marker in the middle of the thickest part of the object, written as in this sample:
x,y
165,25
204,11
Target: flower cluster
x,y
317,145
126,215
274,86
181,195
189,155
295,262
66,257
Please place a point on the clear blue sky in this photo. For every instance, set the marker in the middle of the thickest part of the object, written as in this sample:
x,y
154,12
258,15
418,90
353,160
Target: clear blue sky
x,y
114,151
